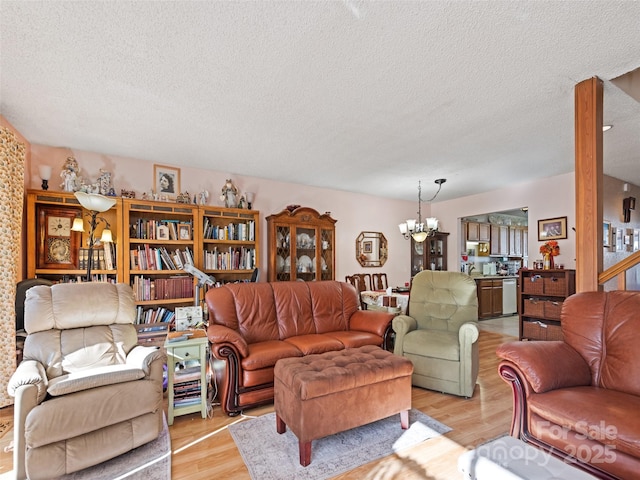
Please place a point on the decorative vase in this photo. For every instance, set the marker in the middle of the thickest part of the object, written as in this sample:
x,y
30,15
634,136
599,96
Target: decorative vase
x,y
551,264
547,261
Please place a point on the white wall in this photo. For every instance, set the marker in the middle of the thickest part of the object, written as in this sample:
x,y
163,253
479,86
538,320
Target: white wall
x,y
547,198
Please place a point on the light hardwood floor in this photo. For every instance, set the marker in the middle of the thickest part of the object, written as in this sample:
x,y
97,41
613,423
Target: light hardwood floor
x,y
204,449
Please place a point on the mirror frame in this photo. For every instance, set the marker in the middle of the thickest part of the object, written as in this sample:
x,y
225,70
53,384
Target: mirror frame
x,y
365,249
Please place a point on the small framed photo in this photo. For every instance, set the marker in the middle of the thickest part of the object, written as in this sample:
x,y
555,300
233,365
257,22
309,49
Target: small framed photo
x,y
163,232
636,240
606,234
367,247
166,181
184,231
552,229
619,240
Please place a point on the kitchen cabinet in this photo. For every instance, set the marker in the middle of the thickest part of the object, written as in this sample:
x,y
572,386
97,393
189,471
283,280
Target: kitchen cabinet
x,y
515,241
489,297
499,240
478,232
542,293
301,245
430,254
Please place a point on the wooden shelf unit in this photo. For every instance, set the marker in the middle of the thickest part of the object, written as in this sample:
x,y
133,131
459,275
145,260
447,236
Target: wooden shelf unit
x,y
230,249
540,302
41,203
430,254
301,245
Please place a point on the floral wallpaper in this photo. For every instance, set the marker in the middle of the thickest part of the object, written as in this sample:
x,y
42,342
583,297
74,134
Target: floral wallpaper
x,y
12,160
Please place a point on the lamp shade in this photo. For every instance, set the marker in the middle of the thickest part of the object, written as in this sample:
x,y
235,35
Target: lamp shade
x,y
95,202
45,172
106,236
78,225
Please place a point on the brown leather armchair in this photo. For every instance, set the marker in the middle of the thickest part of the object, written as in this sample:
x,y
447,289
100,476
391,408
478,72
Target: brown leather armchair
x,y
579,398
84,392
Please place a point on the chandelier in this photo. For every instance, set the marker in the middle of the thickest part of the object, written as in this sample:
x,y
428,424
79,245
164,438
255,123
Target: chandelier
x,y
417,229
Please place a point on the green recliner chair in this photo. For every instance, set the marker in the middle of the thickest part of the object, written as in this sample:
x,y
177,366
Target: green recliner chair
x,y
440,333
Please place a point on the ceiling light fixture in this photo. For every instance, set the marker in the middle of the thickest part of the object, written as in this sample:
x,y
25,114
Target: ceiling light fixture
x,y
416,229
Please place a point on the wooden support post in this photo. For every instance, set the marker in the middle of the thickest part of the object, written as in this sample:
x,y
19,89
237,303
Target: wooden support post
x,y
589,179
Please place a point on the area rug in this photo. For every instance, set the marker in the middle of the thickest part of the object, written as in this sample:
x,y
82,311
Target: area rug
x,y
151,461
271,456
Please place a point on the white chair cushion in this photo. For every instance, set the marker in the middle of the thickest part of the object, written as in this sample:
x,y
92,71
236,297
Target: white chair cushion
x,y
92,378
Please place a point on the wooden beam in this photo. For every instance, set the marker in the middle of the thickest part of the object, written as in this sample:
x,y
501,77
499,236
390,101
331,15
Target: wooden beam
x,y
589,179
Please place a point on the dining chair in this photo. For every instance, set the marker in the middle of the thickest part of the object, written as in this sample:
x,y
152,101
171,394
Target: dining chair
x,y
358,281
379,281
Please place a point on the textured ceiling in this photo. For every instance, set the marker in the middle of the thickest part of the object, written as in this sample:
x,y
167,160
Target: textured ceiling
x,y
359,96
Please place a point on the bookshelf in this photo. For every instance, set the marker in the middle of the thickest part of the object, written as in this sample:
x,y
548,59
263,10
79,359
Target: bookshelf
x,y
230,247
152,241
57,253
159,240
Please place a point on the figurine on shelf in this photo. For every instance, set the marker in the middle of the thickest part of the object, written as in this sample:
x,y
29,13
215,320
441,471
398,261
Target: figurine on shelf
x,y
204,196
229,193
104,181
69,175
243,202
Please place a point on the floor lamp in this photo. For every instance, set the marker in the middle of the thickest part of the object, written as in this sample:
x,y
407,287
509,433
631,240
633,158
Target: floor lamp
x,y
96,204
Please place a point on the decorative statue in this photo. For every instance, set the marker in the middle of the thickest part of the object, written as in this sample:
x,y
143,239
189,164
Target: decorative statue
x,y
204,196
104,181
229,193
69,174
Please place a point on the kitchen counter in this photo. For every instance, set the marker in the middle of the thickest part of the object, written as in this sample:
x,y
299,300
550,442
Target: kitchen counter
x,y
492,277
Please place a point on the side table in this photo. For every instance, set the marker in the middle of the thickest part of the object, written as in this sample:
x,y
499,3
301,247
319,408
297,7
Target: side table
x,y
187,376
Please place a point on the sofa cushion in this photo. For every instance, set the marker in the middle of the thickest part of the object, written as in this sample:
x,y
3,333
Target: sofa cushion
x,y
266,354
607,416
355,339
315,343
604,330
92,378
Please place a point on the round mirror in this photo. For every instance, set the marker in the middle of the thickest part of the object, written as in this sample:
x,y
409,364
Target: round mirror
x,y
371,249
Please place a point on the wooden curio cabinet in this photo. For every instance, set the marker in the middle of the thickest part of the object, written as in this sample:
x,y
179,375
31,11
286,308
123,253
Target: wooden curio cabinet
x,y
430,254
301,244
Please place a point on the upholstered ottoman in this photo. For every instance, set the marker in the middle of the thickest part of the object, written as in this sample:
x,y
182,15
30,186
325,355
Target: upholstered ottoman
x,y
323,394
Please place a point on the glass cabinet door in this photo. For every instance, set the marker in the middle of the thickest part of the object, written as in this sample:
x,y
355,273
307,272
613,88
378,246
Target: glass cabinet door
x,y
283,253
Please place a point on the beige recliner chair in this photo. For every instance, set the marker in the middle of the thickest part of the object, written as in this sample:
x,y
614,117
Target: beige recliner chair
x,y
439,334
84,392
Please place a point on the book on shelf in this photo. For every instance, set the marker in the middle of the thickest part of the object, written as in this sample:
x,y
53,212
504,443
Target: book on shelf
x,y
187,374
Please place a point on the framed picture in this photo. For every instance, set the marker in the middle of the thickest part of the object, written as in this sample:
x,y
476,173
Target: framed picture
x,y
57,244
163,232
184,231
619,240
606,234
552,229
367,247
166,181
636,240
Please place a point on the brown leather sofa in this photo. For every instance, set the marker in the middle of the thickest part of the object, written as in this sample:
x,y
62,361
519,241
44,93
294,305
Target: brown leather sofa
x,y
580,398
253,325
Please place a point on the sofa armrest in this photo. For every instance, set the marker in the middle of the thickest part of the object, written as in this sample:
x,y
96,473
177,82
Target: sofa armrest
x,y
29,372
402,324
546,365
219,334
371,321
143,357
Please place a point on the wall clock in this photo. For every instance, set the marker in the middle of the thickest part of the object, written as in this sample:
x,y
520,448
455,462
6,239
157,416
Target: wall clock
x,y
57,243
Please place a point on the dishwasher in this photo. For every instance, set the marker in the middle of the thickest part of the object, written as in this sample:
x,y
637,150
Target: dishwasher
x,y
509,296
